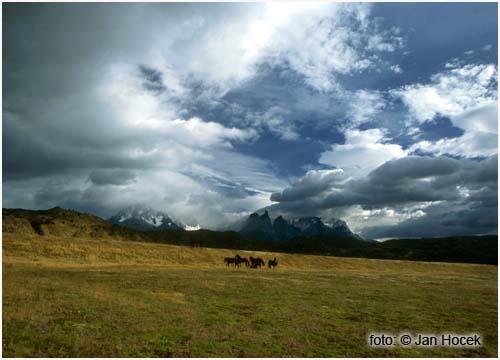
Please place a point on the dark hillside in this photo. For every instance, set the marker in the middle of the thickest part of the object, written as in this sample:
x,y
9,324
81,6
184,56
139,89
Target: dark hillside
x,y
467,249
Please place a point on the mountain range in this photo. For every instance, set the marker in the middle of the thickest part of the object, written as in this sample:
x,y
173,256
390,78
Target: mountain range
x,y
261,227
145,219
68,224
255,226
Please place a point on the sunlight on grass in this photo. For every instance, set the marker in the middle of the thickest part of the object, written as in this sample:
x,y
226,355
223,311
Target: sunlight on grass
x,y
86,297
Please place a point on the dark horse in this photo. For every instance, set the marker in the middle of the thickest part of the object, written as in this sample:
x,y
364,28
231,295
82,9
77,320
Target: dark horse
x,y
237,261
272,263
245,261
256,263
242,261
230,260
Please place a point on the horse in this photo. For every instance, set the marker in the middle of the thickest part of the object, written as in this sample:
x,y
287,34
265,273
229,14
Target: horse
x,y
240,260
245,261
256,263
230,260
272,263
237,261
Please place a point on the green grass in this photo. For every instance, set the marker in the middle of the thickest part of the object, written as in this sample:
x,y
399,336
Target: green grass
x,y
91,298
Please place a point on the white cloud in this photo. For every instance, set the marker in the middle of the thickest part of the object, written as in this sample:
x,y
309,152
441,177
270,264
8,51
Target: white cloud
x,y
363,105
480,137
142,111
363,151
396,69
469,145
359,218
224,51
188,199
450,93
473,143
467,95
483,118
276,119
131,128
185,146
334,38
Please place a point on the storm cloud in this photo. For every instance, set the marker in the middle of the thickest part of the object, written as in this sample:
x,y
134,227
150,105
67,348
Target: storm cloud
x,y
213,111
111,176
418,181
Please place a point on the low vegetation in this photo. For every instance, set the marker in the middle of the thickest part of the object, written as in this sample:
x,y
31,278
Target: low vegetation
x,y
100,296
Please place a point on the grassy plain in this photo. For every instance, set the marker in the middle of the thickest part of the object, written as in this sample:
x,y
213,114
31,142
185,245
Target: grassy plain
x,y
82,297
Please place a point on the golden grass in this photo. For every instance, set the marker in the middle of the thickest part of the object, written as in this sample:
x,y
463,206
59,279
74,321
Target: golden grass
x,y
105,297
96,252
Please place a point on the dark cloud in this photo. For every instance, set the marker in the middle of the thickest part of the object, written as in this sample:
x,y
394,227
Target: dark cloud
x,y
106,105
95,199
153,79
54,148
312,184
55,196
464,193
448,219
405,180
111,177
413,168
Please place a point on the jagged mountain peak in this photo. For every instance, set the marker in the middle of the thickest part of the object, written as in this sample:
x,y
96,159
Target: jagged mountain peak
x,y
284,230
261,226
264,216
258,226
280,219
307,221
144,219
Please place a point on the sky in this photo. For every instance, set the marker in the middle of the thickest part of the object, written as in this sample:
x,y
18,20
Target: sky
x,y
381,114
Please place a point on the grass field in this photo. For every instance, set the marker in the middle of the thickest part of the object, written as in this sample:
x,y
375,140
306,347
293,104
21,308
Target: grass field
x,y
70,297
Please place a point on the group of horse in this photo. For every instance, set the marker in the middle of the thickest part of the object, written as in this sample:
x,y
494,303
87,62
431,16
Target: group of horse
x,y
251,262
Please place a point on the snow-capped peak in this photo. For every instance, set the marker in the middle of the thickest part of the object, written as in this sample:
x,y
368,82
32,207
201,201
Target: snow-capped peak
x,y
144,218
123,218
192,228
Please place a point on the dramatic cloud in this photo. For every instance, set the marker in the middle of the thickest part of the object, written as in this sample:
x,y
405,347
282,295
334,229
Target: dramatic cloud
x,y
468,96
313,183
449,219
363,105
414,181
452,92
479,139
410,179
212,111
334,39
111,177
362,152
131,142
